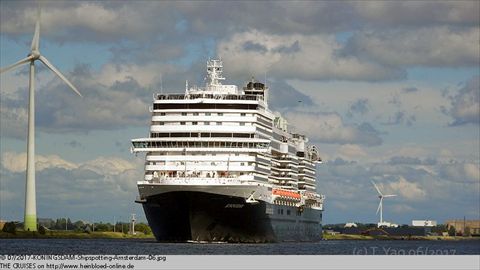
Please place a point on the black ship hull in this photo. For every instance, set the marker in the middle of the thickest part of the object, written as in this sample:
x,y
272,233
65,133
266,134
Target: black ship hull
x,y
200,216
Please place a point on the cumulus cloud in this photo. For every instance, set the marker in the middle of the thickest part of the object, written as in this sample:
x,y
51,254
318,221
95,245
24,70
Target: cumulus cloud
x,y
330,128
13,120
17,162
360,106
405,160
312,57
428,47
65,187
92,21
108,165
128,19
418,13
461,172
351,152
407,189
399,118
115,97
302,40
421,185
466,103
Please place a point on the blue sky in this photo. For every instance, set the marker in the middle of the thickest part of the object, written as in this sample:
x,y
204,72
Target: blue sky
x,y
389,90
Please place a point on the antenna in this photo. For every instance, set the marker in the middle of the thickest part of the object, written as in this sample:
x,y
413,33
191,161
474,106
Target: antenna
x,y
161,83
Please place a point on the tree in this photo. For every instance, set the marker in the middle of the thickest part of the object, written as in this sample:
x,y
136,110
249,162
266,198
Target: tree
x,y
467,231
42,230
60,224
69,224
439,229
142,227
451,231
78,225
10,227
118,227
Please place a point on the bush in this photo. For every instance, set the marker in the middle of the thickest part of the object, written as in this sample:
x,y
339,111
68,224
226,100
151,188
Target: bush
x,y
10,227
42,230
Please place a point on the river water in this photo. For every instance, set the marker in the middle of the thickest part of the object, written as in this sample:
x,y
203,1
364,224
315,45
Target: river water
x,y
330,247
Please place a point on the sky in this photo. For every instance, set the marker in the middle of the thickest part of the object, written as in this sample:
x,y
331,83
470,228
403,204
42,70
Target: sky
x,y
388,90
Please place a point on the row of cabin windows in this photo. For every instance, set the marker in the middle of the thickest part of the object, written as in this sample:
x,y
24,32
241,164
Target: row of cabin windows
x,y
196,123
206,106
213,163
197,144
206,114
203,134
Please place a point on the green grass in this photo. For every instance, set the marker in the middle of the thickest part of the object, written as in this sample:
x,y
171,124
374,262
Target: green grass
x,y
387,237
73,235
347,237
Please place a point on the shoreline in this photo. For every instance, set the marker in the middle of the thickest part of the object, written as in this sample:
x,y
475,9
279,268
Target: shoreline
x,y
73,235
139,235
399,238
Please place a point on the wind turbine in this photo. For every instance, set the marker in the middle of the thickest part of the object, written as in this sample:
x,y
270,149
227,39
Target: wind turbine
x,y
380,204
30,218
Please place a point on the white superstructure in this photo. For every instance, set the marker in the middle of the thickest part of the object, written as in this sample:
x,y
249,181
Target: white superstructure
x,y
224,140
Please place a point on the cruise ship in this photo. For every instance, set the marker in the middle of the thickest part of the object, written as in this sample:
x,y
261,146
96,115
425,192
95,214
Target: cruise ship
x,y
220,166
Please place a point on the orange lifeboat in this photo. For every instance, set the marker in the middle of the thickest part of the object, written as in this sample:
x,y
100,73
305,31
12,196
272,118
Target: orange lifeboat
x,y
286,194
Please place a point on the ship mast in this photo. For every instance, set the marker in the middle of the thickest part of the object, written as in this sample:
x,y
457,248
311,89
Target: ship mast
x,y
214,72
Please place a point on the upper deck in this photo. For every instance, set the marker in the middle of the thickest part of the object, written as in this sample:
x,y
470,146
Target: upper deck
x,y
218,98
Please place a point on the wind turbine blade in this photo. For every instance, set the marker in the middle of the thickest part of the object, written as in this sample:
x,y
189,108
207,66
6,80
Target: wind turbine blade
x,y
36,36
391,195
378,190
59,74
379,205
19,63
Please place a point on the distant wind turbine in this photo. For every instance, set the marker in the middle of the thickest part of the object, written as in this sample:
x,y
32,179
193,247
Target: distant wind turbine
x,y
30,218
380,204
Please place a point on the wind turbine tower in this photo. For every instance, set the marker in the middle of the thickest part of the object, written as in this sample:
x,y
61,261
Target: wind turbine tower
x,y
30,218
381,196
